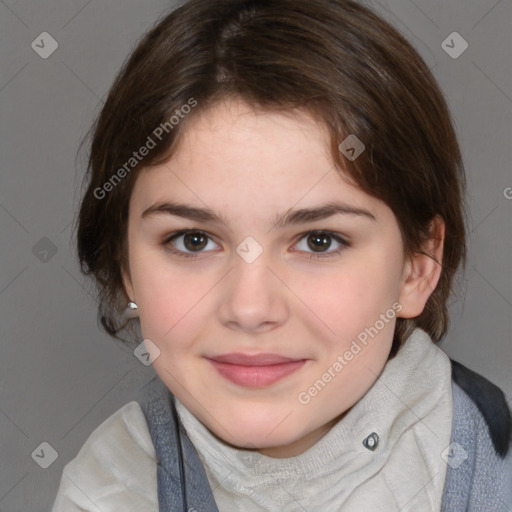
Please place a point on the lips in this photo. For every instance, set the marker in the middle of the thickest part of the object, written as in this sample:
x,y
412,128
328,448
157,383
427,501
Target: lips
x,y
253,360
258,370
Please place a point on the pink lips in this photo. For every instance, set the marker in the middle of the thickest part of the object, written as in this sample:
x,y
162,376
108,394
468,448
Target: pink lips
x,y
254,370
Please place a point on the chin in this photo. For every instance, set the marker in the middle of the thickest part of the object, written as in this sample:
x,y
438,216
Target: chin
x,y
258,441
259,435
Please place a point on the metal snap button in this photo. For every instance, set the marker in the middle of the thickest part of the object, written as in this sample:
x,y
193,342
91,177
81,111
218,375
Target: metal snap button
x,y
371,441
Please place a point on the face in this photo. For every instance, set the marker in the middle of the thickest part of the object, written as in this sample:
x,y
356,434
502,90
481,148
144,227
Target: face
x,y
259,309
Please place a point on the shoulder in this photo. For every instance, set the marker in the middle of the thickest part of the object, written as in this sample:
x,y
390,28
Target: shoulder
x,y
116,467
126,426
487,400
479,472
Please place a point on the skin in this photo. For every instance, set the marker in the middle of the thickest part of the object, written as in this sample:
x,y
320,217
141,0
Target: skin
x,y
251,167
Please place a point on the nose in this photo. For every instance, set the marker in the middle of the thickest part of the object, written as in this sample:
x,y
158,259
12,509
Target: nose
x,y
253,298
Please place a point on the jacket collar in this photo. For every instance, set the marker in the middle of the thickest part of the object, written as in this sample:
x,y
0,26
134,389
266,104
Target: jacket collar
x,y
157,403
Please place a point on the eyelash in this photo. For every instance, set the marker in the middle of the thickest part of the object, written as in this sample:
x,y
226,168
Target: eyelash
x,y
343,243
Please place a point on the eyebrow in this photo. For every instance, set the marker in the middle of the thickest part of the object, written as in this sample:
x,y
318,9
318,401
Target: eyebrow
x,y
291,217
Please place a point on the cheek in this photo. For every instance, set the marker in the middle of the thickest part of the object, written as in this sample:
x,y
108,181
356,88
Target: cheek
x,y
352,298
168,309
172,303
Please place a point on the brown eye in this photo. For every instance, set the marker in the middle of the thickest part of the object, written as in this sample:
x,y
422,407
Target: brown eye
x,y
195,241
319,241
187,243
318,244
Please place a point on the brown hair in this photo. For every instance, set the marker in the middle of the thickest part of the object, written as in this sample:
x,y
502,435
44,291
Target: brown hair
x,y
335,59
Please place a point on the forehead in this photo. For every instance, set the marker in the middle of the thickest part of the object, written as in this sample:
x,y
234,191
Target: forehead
x,y
234,158
231,143
233,127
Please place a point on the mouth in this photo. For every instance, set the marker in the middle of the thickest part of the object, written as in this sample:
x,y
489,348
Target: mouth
x,y
254,371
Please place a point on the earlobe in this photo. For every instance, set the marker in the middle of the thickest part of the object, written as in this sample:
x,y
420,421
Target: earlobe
x,y
422,272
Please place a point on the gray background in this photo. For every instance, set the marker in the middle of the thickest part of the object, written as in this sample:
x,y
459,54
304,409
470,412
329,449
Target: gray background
x,y
60,376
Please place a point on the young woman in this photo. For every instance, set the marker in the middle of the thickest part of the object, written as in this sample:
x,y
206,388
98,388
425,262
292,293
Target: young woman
x,y
276,197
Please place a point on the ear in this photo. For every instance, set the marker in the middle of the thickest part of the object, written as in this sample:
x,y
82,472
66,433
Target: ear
x,y
422,272
127,283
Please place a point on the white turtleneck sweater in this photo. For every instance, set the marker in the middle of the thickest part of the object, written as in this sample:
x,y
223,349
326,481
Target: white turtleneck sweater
x,y
409,407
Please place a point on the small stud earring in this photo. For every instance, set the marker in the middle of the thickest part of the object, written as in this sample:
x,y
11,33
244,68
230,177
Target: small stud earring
x,y
131,310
